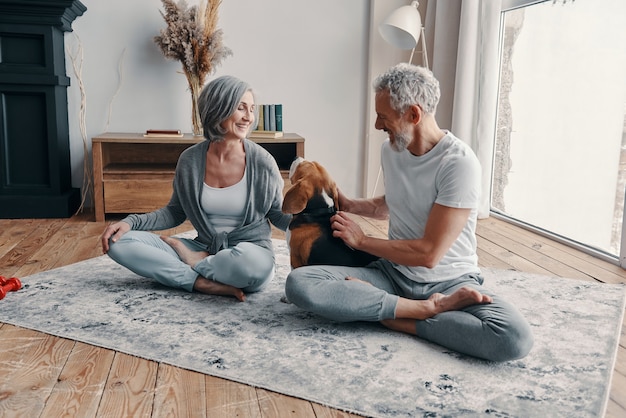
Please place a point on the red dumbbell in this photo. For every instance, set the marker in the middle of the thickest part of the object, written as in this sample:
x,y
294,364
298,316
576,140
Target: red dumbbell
x,y
11,285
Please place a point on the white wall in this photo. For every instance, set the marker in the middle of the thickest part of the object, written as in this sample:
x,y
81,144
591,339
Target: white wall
x,y
310,56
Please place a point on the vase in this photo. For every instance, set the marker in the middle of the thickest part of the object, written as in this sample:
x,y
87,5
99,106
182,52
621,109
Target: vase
x,y
196,122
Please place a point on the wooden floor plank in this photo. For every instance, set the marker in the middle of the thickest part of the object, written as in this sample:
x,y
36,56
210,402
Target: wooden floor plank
x,y
231,399
277,405
81,383
586,263
322,411
509,257
512,243
19,258
129,390
30,364
486,259
179,393
617,399
12,231
57,248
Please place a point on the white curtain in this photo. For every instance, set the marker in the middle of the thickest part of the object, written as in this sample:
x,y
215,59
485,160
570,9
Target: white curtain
x,y
463,40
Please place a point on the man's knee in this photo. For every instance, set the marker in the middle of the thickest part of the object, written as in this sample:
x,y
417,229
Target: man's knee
x,y
294,289
513,345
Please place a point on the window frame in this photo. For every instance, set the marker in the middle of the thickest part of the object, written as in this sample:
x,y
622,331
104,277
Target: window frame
x,y
620,259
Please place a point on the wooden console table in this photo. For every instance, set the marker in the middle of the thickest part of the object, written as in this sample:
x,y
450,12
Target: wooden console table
x,y
133,174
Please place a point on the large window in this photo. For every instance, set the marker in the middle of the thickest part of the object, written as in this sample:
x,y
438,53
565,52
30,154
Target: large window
x,y
560,160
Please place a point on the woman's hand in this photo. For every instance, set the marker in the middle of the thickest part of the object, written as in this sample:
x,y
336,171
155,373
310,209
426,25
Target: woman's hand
x,y
113,232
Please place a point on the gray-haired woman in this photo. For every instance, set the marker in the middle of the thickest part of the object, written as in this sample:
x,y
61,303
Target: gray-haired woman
x,y
229,188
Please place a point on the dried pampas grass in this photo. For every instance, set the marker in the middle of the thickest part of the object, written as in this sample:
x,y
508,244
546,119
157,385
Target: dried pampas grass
x,y
192,37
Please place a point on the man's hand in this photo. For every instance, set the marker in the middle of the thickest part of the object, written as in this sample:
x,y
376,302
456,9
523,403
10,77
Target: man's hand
x,y
342,201
346,229
114,232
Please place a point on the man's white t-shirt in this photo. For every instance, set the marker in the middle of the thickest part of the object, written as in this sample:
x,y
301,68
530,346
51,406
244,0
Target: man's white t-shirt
x,y
449,175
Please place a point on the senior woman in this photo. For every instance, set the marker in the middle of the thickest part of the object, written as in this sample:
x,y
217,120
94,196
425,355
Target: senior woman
x,y
229,188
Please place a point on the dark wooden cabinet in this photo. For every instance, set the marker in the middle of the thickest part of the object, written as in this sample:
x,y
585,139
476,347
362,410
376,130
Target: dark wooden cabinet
x,y
35,171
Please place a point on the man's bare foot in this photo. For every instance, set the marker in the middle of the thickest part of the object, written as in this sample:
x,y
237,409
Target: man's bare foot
x,y
463,297
211,287
408,311
188,256
438,303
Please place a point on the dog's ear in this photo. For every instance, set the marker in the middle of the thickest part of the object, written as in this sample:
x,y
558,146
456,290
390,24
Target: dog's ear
x,y
297,196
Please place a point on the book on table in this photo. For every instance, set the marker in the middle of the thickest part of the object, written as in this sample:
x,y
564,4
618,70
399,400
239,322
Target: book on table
x,y
266,134
163,133
266,116
261,124
278,112
272,126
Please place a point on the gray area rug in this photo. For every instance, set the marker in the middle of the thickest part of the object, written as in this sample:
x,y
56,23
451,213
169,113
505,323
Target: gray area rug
x,y
360,367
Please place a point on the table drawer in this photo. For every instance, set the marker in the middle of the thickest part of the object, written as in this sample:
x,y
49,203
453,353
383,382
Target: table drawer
x,y
131,196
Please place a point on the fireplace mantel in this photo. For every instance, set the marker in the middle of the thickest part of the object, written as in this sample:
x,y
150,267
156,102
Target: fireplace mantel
x,y
35,171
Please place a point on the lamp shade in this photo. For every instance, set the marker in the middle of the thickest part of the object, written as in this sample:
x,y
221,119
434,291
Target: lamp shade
x,y
402,27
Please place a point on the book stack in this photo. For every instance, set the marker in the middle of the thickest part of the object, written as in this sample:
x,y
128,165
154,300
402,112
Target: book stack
x,y
270,122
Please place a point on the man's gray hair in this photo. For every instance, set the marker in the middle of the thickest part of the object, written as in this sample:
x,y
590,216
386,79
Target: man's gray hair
x,y
218,100
409,85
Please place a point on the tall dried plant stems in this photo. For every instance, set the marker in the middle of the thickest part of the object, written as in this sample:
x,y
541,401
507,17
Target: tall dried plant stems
x,y
77,66
192,37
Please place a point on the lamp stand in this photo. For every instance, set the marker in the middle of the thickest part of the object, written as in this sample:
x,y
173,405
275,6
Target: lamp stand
x,y
423,50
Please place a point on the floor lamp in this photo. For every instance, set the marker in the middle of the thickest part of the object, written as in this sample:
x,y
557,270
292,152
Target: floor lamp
x,y
403,29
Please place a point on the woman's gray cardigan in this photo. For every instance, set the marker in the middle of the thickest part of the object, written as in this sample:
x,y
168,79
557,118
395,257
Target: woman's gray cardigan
x,y
265,198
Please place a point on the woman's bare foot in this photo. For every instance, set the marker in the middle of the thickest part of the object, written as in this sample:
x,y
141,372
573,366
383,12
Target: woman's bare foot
x,y
354,279
211,287
202,285
188,256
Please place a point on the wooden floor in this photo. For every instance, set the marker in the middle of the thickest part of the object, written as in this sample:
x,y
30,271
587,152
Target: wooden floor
x,y
46,376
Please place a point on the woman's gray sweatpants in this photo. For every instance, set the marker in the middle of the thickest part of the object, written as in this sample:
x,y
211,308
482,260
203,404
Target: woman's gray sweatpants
x,y
246,266
495,331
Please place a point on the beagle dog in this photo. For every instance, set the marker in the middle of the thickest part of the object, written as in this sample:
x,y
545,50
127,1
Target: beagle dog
x,y
312,200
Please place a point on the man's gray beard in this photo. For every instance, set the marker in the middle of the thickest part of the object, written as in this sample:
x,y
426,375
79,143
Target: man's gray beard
x,y
402,140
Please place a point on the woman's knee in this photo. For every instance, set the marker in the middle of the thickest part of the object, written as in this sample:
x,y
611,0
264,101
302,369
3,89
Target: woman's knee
x,y
116,248
246,266
252,261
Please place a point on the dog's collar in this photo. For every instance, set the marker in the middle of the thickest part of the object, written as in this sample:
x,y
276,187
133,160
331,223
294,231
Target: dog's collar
x,y
319,211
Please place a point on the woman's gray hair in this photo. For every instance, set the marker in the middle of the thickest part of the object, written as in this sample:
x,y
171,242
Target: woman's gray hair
x,y
409,85
218,100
